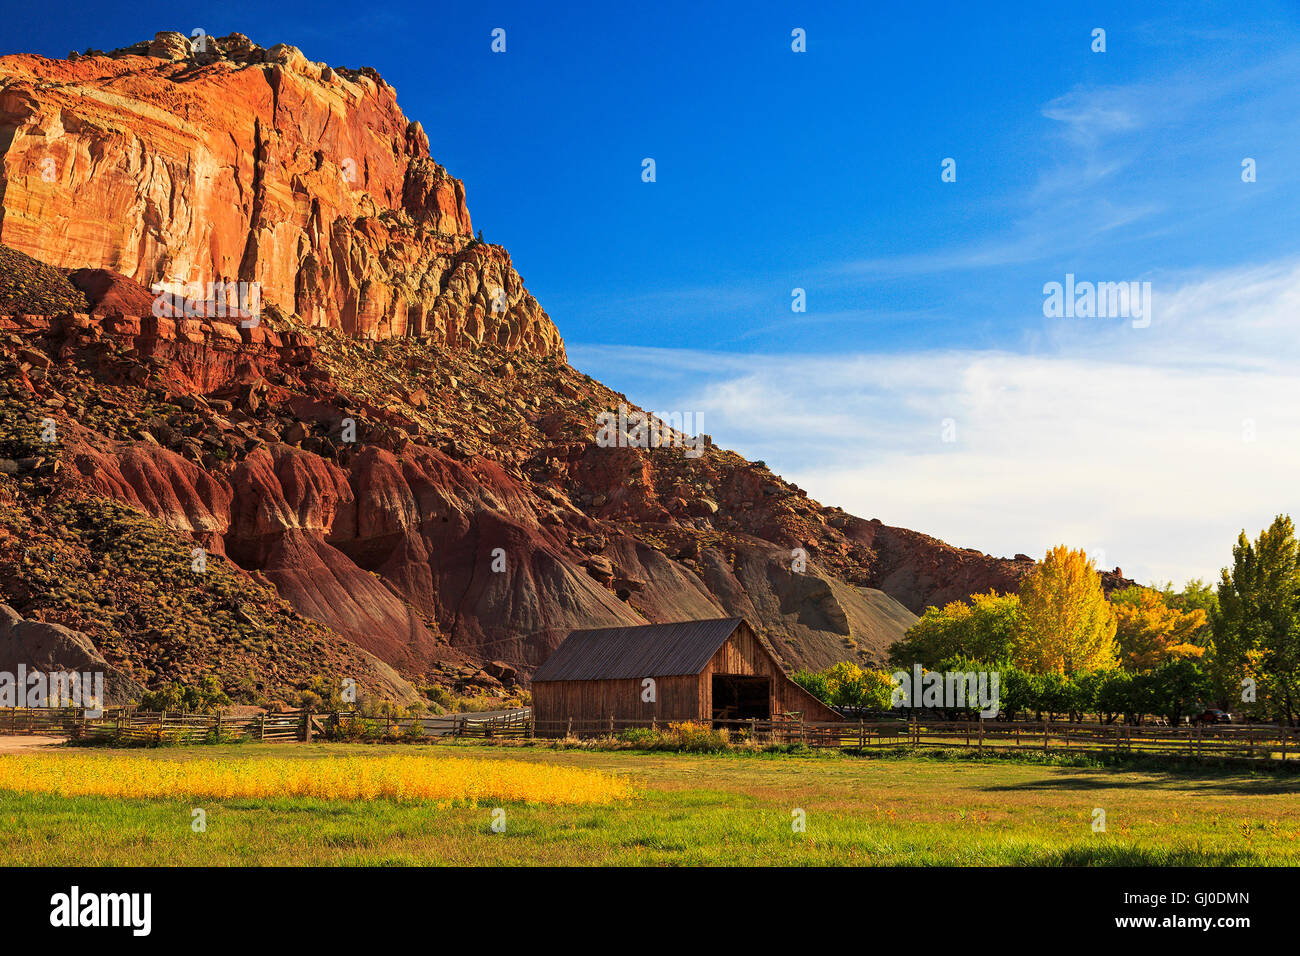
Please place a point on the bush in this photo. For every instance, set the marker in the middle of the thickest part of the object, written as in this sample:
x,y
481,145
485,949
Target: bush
x,y
175,697
683,736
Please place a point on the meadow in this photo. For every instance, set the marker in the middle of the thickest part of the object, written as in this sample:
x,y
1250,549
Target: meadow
x,y
581,807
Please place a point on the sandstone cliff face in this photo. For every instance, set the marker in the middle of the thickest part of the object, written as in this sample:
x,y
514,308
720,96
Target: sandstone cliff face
x,y
241,164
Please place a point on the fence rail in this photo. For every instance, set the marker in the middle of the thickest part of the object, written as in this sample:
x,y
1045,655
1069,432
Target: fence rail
x,y
1256,740
1262,741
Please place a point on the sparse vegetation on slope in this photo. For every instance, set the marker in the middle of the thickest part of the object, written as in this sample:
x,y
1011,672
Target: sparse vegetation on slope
x,y
30,287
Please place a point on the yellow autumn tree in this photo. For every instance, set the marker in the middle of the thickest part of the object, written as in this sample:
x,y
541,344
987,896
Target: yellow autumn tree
x,y
1066,623
1149,631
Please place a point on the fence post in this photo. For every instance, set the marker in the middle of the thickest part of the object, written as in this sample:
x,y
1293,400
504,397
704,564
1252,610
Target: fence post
x,y
569,732
1044,736
981,734
306,725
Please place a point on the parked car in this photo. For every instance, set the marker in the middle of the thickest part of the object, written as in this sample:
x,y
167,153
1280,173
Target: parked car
x,y
1213,715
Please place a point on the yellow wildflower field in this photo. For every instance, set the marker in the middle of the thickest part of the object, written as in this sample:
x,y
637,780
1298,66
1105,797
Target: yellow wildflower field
x,y
402,778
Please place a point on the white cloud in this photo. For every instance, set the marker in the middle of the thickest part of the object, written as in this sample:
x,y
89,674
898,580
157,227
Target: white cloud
x,y
1092,115
1131,441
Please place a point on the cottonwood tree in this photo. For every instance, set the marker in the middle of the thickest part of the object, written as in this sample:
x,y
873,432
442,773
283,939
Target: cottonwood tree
x,y
1066,623
1149,631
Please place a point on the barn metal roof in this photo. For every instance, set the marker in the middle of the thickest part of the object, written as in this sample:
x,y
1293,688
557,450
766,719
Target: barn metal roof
x,y
649,650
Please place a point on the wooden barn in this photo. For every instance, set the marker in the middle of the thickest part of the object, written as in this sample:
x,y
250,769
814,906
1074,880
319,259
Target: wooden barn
x,y
702,671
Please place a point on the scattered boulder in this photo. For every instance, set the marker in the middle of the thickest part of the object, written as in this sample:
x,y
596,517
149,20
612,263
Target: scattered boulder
x,y
502,671
168,45
111,293
53,648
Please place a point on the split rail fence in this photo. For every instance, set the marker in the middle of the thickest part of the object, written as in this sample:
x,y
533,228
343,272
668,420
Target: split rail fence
x,y
1262,741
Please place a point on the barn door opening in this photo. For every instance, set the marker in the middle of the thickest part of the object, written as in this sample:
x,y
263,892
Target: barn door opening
x,y
741,698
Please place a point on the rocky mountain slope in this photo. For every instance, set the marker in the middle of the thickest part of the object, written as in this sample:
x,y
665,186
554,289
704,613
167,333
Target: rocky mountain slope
x,y
394,474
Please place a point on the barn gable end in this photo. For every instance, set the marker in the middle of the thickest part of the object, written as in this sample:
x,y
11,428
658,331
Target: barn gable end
x,y
701,670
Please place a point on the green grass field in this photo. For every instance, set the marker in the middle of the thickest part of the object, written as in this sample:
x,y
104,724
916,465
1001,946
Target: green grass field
x,y
727,809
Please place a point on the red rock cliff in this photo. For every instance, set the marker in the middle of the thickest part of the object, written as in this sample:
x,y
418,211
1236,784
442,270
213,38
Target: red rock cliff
x,y
238,163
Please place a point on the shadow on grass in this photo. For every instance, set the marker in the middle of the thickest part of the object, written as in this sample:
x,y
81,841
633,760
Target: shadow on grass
x,y
1252,778
1113,855
1194,779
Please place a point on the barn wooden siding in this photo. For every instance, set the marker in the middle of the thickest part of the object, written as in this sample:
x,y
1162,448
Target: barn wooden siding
x,y
678,696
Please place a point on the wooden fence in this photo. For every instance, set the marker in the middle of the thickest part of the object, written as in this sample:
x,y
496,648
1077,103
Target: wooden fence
x,y
151,727
156,727
1260,741
1223,740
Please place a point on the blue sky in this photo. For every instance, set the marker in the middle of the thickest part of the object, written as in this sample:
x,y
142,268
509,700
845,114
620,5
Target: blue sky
x,y
821,170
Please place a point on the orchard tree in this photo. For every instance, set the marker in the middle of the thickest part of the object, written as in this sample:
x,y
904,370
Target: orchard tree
x,y
847,685
1066,623
983,629
1257,627
1176,689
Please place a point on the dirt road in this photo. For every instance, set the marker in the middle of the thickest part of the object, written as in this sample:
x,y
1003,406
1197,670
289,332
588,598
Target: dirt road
x,y
21,743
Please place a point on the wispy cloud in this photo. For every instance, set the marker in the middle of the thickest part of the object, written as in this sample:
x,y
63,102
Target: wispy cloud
x,y
1123,163
1092,116
1154,446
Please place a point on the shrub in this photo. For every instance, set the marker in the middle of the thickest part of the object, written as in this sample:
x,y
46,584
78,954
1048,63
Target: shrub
x,y
682,736
175,697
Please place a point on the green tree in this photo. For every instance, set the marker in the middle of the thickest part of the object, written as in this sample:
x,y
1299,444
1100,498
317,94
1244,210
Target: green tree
x,y
982,628
1116,697
1016,690
814,683
1257,626
1196,595
847,685
1176,689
